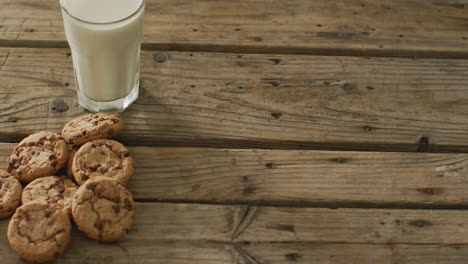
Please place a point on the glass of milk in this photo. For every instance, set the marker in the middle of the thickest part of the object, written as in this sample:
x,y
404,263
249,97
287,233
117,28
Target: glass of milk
x,y
105,39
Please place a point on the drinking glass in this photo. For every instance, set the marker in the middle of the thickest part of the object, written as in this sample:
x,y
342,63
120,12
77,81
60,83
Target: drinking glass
x,y
105,40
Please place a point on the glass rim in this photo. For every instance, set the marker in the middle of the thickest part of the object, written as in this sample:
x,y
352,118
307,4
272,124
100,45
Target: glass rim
x,y
102,23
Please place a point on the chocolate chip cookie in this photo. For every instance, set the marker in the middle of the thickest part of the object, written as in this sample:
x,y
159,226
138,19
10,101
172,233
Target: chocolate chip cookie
x,y
41,154
10,194
103,157
57,191
103,209
38,232
71,155
92,126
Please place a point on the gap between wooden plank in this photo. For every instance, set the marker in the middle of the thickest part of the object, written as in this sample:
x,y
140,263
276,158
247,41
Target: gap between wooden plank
x,y
327,205
235,49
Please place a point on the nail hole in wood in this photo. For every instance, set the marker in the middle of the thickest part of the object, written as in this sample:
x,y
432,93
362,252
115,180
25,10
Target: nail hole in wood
x,y
13,119
276,61
276,115
293,256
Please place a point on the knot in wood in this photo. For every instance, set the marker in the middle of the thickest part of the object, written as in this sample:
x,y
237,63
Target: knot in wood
x,y
59,106
159,58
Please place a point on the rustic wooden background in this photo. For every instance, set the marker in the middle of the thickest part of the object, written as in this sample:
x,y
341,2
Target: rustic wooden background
x,y
271,131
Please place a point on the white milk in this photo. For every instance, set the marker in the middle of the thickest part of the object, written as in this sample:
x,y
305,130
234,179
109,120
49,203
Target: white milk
x,y
106,51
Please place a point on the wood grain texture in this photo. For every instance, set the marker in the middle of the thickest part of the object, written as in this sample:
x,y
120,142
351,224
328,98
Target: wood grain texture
x,y
131,250
300,177
380,28
356,253
193,233
296,178
256,101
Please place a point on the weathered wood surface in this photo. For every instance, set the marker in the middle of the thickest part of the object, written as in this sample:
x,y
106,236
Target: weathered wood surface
x,y
297,178
256,101
188,233
386,28
332,253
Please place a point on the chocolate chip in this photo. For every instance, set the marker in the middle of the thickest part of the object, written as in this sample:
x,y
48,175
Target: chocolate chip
x,y
117,168
10,167
91,186
115,121
52,157
61,188
124,153
33,152
95,167
116,209
53,163
48,212
83,132
128,204
102,152
98,224
103,170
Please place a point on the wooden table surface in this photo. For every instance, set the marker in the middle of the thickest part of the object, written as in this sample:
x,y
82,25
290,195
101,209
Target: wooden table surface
x,y
271,131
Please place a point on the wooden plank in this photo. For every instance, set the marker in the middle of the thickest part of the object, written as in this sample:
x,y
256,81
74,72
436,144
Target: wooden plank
x,y
240,223
285,224
181,252
256,101
188,252
356,253
382,28
297,178
193,233
130,250
300,177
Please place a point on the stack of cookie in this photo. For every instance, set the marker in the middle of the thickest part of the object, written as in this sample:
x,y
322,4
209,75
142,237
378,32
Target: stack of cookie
x,y
101,206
